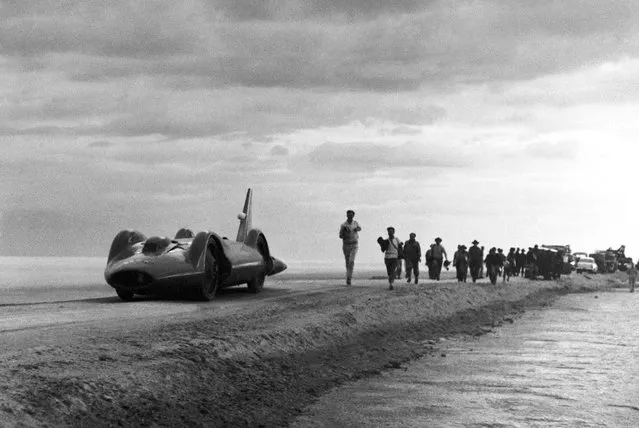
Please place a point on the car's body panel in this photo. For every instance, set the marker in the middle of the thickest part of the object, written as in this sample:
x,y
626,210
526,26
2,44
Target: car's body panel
x,y
158,264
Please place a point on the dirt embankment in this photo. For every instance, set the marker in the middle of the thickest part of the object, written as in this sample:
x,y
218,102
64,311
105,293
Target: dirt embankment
x,y
258,367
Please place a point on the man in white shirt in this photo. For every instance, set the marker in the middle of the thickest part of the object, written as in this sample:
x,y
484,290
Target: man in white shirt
x,y
391,256
439,254
348,232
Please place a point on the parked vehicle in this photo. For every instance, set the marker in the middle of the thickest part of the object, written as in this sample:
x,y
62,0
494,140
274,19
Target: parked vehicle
x,y
609,261
579,254
586,264
562,259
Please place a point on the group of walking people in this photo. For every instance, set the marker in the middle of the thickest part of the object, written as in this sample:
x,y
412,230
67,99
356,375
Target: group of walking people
x,y
465,259
410,252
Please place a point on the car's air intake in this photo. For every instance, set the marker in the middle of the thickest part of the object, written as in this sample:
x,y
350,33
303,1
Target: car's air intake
x,y
131,279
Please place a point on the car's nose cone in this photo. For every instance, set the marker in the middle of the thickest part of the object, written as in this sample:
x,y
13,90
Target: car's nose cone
x,y
278,266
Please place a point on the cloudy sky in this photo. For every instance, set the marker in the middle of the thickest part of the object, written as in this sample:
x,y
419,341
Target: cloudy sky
x,y
512,122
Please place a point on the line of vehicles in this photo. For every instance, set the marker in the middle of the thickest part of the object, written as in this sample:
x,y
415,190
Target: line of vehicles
x,y
602,261
556,260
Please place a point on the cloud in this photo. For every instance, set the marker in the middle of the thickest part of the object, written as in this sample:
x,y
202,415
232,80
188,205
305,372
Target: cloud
x,y
279,150
126,29
566,150
201,69
402,130
608,82
339,44
285,10
100,144
372,156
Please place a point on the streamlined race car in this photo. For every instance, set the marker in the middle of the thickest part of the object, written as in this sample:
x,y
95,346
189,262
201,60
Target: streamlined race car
x,y
196,264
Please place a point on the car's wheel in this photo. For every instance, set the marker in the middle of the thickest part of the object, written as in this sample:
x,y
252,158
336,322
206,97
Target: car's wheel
x,y
256,284
126,295
211,277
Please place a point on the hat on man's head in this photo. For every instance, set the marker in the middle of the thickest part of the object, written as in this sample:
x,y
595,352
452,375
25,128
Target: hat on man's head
x,y
350,211
412,235
475,242
390,228
438,239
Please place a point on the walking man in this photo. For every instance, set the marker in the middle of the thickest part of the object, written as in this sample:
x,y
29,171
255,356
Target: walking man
x,y
509,265
521,262
632,277
439,254
494,262
348,232
476,257
412,257
460,261
429,262
390,247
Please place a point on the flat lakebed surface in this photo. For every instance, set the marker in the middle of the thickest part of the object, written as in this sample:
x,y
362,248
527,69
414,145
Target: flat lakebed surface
x,y
572,365
73,354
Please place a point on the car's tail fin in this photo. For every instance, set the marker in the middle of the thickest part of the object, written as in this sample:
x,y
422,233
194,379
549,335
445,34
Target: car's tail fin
x,y
245,217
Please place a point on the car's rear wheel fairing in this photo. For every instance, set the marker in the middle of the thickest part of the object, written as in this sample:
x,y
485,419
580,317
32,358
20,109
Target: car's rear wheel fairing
x,y
256,284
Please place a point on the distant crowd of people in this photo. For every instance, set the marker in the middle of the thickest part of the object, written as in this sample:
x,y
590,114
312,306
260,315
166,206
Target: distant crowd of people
x,y
532,263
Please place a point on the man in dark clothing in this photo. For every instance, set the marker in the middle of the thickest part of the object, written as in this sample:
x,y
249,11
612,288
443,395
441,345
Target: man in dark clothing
x,y
481,268
476,260
511,261
460,262
515,266
493,264
412,257
429,262
521,262
531,261
543,261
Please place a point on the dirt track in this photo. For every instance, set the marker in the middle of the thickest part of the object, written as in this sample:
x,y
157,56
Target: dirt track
x,y
242,360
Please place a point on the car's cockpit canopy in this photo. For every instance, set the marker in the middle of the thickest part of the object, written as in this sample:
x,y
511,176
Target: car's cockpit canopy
x,y
156,245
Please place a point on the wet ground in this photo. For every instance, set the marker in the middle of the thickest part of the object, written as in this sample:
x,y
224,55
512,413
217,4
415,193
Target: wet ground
x,y
575,364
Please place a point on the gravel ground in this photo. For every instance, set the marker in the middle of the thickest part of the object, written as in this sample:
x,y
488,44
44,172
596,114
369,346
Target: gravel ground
x,y
260,365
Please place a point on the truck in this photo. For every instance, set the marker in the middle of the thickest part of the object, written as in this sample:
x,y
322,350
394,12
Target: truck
x,y
565,254
609,261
